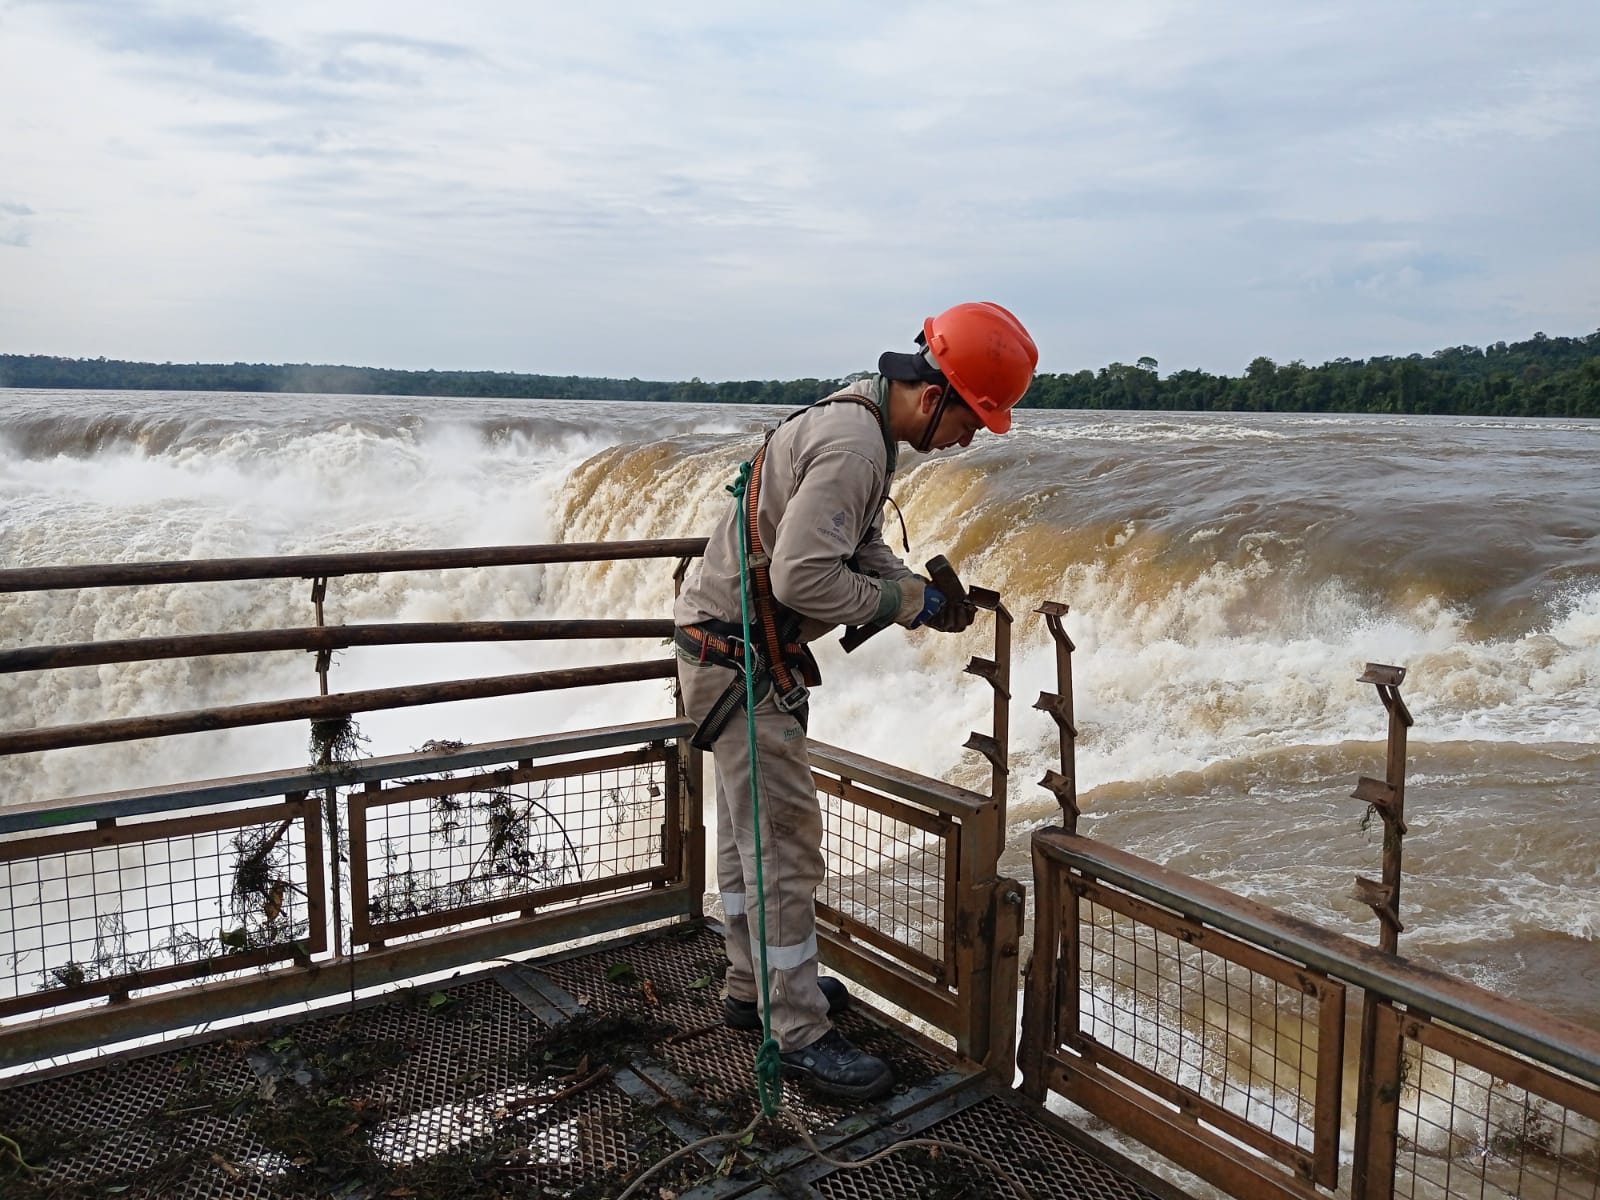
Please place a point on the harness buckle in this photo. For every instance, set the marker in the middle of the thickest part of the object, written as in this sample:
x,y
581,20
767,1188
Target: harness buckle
x,y
793,700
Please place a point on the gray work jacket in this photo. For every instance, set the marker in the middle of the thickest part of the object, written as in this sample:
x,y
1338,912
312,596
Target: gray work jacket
x,y
823,486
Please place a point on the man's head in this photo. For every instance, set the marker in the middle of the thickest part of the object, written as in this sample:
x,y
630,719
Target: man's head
x,y
973,363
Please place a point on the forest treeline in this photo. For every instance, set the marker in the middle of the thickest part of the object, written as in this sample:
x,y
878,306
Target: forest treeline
x,y
1541,377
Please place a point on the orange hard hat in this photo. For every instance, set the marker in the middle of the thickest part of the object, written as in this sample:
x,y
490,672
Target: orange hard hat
x,y
981,350
987,356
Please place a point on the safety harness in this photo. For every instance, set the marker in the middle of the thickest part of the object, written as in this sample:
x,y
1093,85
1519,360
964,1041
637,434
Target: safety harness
x,y
779,655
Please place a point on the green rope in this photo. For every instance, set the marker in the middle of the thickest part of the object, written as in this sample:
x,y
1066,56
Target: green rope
x,y
15,1151
769,1067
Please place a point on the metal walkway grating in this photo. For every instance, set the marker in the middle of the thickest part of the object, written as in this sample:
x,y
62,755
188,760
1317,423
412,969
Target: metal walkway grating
x,y
557,1078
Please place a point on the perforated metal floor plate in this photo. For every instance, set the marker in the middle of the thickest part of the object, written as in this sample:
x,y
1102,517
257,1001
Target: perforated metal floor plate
x,y
457,1070
1022,1146
682,970
142,1118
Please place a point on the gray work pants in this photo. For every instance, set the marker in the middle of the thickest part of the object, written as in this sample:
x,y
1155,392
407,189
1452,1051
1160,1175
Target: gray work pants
x,y
791,851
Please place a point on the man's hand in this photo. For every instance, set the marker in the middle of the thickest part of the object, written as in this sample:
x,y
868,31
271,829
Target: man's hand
x,y
919,600
953,616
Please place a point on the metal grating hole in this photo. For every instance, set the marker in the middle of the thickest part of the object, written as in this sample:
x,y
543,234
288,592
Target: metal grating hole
x,y
1047,1165
485,843
886,873
1199,1019
1467,1132
87,921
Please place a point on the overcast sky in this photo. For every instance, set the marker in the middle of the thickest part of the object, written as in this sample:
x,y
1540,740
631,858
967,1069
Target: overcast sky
x,y
760,190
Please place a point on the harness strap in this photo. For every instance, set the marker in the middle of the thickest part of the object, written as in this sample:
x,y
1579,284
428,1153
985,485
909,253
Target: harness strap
x,y
789,691
705,644
733,700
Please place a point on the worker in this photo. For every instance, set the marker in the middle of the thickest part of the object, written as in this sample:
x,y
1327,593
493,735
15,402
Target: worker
x,y
816,490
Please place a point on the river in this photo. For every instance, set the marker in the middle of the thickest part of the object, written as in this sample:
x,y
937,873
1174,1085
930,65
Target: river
x,y
1228,577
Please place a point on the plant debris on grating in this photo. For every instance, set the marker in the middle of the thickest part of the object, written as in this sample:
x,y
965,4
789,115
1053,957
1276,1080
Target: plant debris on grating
x,y
310,1126
940,1175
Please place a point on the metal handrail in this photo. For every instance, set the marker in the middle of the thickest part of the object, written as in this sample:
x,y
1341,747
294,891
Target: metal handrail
x,y
935,794
51,814
327,566
1540,1036
321,637
340,704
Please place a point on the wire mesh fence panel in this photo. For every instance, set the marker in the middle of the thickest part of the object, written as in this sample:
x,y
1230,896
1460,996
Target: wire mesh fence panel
x,y
890,875
106,910
1248,1042
446,850
1476,1121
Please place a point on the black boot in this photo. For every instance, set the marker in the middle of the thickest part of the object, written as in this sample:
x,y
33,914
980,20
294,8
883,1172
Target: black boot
x,y
746,1014
837,1068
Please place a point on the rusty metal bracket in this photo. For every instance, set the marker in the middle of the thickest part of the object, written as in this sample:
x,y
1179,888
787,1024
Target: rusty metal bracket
x,y
1381,795
985,598
1387,680
1053,612
1379,898
989,748
989,670
1060,708
1065,791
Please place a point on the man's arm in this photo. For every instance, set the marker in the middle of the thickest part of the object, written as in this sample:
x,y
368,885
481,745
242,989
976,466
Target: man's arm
x,y
873,556
818,532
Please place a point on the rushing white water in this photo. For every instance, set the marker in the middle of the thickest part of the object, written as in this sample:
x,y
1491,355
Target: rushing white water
x,y
1228,577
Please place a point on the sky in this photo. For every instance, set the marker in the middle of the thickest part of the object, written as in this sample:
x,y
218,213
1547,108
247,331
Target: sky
x,y
729,191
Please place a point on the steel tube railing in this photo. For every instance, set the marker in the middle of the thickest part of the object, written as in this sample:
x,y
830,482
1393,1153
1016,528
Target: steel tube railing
x,y
342,704
114,806
327,566
1541,1036
321,637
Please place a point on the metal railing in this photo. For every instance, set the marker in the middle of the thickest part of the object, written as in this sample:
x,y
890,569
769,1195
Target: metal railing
x,y
914,905
1182,1044
133,913
222,911
1470,1119
1213,1029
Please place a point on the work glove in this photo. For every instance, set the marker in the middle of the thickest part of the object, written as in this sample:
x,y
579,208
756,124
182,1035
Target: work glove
x,y
953,616
919,600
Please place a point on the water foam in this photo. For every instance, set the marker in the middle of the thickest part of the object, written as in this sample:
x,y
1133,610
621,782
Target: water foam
x,y
1225,667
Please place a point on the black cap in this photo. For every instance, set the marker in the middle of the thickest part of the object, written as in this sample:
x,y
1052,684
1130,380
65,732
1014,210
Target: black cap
x,y
909,368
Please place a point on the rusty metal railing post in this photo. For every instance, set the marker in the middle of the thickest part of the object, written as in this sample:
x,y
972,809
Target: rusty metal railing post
x,y
330,795
1063,784
1379,1076
1042,979
995,745
689,779
989,909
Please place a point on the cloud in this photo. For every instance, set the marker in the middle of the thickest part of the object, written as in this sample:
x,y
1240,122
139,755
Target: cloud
x,y
195,36
13,230
677,190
